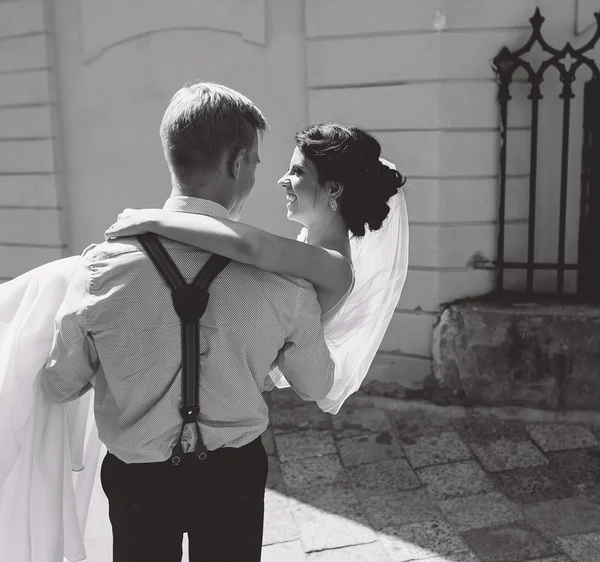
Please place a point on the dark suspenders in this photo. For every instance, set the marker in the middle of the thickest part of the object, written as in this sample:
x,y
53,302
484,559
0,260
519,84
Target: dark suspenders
x,y
190,302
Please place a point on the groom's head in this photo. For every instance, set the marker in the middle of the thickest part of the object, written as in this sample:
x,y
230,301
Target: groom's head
x,y
210,139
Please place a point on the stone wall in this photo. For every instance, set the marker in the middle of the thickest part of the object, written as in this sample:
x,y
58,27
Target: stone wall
x,y
534,354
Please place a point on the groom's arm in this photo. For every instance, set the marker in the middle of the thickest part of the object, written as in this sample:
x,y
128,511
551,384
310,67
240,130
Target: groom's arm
x,y
73,361
304,360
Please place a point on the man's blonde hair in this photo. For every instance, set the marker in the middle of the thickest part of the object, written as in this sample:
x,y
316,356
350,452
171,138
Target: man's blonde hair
x,y
202,122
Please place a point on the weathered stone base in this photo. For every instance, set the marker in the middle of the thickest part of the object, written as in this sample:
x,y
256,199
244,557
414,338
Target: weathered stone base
x,y
544,356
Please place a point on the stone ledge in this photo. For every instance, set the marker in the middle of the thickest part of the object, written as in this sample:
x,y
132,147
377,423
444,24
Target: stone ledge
x,y
448,413
543,355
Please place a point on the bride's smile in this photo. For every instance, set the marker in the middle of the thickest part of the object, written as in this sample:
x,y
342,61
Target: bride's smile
x,y
301,188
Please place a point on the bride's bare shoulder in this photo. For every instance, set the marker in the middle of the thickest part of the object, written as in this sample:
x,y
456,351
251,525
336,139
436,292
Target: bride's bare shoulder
x,y
336,273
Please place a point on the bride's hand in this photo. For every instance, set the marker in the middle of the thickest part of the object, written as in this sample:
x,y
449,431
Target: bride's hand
x,y
132,222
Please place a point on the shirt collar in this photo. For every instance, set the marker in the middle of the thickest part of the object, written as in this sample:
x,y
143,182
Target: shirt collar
x,y
196,205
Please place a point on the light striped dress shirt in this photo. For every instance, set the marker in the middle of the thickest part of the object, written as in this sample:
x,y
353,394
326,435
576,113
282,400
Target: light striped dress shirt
x,y
117,327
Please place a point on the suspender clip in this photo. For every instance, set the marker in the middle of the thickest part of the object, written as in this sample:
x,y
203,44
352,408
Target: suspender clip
x,y
189,413
201,451
177,455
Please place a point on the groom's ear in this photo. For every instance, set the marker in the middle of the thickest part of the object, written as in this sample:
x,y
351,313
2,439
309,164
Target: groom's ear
x,y
235,162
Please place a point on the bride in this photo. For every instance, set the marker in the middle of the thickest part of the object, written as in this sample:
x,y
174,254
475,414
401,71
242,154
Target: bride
x,y
353,248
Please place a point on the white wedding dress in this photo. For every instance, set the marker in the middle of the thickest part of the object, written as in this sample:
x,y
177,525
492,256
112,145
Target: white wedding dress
x,y
49,453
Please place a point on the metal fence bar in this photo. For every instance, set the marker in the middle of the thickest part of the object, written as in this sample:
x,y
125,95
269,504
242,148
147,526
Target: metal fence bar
x,y
566,95
504,97
588,281
594,237
535,109
586,179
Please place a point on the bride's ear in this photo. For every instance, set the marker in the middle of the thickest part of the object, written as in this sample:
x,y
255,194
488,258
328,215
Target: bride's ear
x,y
334,189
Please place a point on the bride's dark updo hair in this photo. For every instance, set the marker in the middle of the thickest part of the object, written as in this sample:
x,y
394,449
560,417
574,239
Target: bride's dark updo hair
x,y
350,156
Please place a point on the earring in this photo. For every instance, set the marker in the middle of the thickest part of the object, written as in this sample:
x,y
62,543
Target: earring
x,y
333,203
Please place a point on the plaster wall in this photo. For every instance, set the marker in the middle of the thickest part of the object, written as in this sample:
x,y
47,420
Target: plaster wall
x,y
84,84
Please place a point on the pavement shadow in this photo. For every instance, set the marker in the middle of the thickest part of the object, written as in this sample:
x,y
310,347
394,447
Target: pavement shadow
x,y
416,485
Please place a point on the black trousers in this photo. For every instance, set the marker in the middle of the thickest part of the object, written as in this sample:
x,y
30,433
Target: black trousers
x,y
219,502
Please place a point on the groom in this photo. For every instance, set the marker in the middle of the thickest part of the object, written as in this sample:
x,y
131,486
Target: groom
x,y
118,325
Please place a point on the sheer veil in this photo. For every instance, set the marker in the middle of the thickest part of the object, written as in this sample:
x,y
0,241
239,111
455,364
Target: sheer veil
x,y
357,328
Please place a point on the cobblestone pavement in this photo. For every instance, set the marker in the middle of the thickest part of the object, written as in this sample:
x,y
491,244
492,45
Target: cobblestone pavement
x,y
374,486
421,484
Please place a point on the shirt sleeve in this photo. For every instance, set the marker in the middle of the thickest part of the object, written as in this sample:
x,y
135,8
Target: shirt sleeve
x,y
73,360
305,360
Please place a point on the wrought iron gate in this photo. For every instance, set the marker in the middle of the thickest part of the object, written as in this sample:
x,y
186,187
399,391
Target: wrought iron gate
x,y
567,62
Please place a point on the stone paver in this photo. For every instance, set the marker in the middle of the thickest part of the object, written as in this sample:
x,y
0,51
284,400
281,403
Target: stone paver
x,y
374,486
276,500
483,430
581,469
506,454
322,471
454,557
532,485
477,512
306,416
411,424
350,422
371,448
304,444
384,477
559,558
388,510
288,551
331,518
509,543
581,548
430,450
275,476
279,526
500,445
565,517
372,552
560,437
419,541
455,480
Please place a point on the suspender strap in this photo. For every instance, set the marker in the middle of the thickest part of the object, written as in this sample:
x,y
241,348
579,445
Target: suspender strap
x,y
162,260
190,301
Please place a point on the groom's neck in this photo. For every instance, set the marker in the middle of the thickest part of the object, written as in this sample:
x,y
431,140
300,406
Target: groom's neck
x,y
209,192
